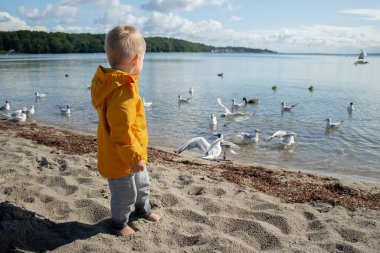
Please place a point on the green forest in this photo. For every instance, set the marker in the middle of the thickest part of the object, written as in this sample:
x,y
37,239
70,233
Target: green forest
x,y
33,42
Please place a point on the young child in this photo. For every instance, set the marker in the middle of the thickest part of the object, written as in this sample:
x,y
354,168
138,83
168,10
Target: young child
x,y
122,131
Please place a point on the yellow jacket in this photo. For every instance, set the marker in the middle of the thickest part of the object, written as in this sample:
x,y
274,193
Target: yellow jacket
x,y
122,132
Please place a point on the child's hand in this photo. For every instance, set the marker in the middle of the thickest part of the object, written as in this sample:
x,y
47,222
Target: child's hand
x,y
138,166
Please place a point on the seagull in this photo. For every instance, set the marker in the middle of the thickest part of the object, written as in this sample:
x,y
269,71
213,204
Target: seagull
x,y
6,107
233,116
19,112
251,101
40,95
287,139
227,146
191,91
274,87
350,108
311,88
29,111
5,116
183,100
213,121
146,104
237,106
246,138
277,134
18,117
287,108
361,58
65,111
330,125
220,74
209,151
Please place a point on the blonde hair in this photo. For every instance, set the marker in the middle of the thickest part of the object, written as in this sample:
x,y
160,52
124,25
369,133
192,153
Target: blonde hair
x,y
122,43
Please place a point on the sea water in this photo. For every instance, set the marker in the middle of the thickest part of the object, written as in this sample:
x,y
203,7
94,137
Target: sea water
x,y
352,151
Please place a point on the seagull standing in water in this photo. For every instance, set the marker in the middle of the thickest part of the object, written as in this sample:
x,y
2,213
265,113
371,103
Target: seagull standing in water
x,y
213,121
183,100
40,95
246,138
233,116
361,58
30,111
146,104
65,111
237,106
6,107
333,125
287,108
350,108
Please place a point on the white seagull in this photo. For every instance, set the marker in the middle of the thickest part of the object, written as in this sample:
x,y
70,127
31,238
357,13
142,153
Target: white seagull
x,y
191,91
237,106
18,117
6,107
18,112
213,121
361,58
233,116
209,151
246,138
146,104
350,108
287,108
65,111
5,116
40,95
287,139
331,125
30,111
183,100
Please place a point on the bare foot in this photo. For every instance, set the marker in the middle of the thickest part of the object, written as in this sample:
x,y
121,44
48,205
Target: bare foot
x,y
126,231
154,217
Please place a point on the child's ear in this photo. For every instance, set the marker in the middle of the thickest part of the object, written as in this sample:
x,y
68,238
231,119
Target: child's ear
x,y
135,59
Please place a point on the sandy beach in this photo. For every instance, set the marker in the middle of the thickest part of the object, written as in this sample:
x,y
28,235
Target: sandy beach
x,y
53,199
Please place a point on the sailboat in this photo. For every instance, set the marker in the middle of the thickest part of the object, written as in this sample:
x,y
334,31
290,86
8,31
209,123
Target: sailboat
x,y
361,58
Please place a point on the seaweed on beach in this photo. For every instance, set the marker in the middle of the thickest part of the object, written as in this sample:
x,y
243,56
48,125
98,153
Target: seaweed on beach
x,y
289,186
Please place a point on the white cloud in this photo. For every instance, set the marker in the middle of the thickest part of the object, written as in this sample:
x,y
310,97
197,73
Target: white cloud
x,y
11,23
50,11
235,18
370,14
167,6
317,38
117,13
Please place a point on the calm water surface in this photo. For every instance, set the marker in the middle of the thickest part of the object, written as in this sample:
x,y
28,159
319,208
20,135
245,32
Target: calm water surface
x,y
350,152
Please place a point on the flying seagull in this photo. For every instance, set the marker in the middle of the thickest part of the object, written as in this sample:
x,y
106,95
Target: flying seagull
x,y
287,139
210,151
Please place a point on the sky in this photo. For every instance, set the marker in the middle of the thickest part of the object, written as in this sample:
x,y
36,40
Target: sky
x,y
286,26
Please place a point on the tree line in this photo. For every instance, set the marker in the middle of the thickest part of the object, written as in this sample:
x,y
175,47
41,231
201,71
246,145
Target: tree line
x,y
34,42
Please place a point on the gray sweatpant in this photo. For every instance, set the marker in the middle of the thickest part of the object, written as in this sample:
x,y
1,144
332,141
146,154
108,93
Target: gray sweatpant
x,y
128,194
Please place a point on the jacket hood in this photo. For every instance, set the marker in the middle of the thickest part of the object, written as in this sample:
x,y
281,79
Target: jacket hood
x,y
105,81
